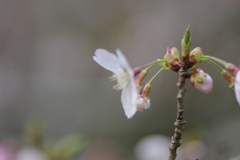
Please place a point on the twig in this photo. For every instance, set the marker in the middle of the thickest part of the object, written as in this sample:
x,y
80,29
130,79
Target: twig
x,y
179,123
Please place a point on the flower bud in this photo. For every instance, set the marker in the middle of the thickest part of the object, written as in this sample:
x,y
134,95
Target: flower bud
x,y
195,55
201,81
172,58
143,103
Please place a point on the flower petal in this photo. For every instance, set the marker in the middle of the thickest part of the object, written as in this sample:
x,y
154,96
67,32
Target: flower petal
x,y
123,61
107,60
128,98
237,87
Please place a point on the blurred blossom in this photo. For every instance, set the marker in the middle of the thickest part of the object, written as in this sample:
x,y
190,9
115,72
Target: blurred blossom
x,y
7,151
195,150
30,153
154,147
236,158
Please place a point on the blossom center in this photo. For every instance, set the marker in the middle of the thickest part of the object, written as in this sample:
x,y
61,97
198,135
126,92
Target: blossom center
x,y
122,79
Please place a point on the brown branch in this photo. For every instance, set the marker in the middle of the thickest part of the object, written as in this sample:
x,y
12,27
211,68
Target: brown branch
x,y
179,123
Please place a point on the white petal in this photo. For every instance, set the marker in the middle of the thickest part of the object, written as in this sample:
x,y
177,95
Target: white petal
x,y
123,61
237,87
107,60
128,98
206,86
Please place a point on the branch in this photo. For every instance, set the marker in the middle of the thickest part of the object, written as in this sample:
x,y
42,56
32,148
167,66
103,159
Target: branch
x,y
179,123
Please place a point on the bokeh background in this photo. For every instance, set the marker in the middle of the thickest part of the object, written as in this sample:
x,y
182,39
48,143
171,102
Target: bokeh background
x,y
47,71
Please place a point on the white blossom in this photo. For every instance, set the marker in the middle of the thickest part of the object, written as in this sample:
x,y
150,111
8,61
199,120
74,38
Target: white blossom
x,y
237,87
123,74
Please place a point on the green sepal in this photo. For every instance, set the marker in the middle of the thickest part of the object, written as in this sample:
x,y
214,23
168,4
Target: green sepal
x,y
186,43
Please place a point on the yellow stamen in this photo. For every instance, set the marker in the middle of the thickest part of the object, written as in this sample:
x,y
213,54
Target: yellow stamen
x,y
117,87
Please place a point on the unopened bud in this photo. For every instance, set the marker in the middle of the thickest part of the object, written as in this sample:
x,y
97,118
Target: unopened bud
x,y
195,55
201,81
143,103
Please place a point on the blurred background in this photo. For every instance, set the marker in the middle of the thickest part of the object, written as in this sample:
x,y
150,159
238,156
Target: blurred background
x,y
47,71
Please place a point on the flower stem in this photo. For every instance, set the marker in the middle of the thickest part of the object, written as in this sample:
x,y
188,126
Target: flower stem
x,y
224,63
155,76
179,123
215,65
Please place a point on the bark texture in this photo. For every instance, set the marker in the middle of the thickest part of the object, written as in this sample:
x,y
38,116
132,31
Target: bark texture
x,y
179,123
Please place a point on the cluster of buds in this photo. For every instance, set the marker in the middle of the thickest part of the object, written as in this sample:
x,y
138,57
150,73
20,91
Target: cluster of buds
x,y
172,58
135,97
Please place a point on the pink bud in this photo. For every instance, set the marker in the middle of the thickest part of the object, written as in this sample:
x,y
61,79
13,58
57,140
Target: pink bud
x,y
237,87
201,81
143,103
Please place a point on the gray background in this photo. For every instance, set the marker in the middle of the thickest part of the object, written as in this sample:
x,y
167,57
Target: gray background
x,y
47,70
